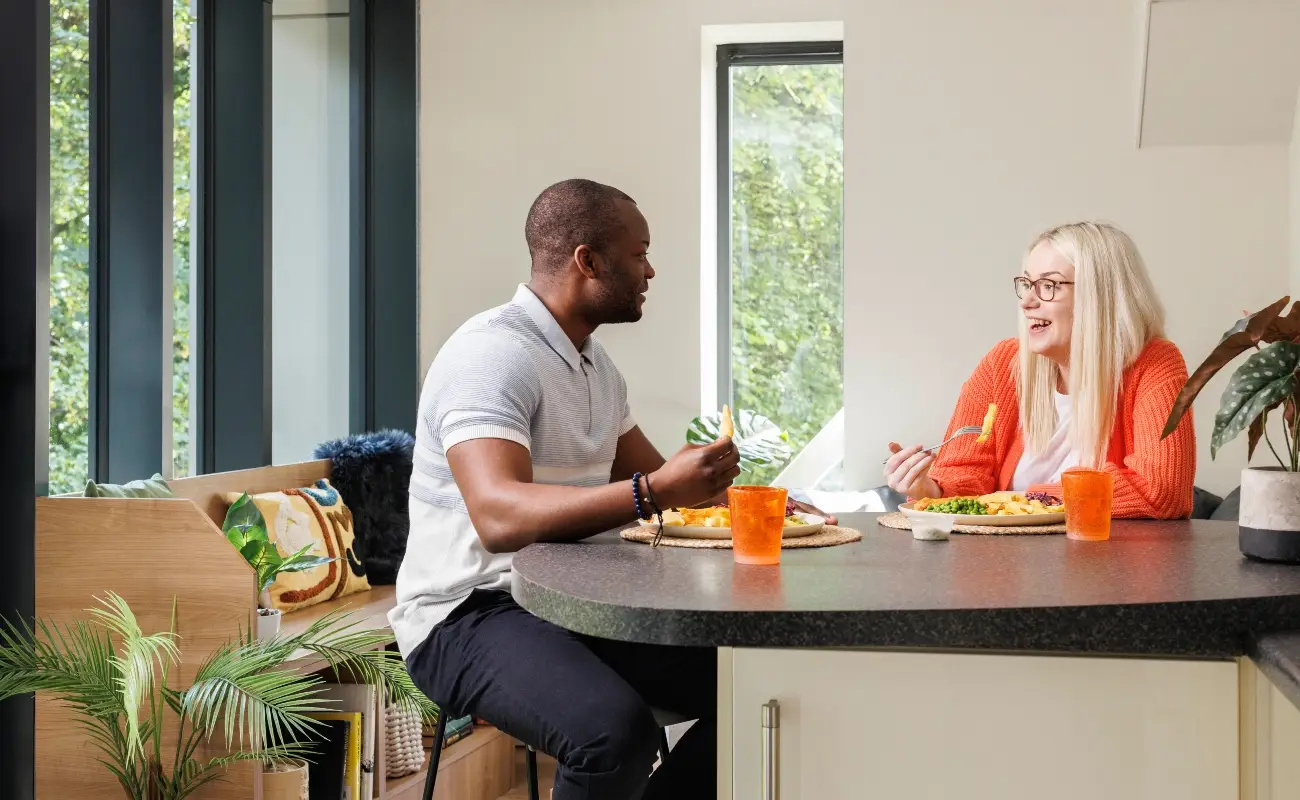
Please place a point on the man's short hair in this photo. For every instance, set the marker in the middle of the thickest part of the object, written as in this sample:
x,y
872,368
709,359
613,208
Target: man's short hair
x,y
572,213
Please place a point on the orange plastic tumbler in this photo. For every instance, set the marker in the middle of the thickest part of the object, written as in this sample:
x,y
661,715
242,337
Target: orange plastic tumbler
x,y
757,520
1088,494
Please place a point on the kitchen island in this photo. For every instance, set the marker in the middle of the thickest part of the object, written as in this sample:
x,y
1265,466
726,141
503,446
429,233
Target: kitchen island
x,y
985,666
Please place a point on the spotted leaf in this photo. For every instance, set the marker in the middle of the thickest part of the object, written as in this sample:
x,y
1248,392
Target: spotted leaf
x,y
1266,379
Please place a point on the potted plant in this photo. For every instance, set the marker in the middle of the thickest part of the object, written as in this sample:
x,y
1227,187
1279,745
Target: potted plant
x,y
1268,380
245,527
117,680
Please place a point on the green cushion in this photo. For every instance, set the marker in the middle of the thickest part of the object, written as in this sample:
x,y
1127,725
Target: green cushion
x,y
154,487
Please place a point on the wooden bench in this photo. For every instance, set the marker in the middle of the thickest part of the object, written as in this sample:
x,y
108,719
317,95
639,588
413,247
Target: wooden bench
x,y
151,551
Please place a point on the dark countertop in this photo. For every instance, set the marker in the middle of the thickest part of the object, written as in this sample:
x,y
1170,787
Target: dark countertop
x,y
1156,588
1278,657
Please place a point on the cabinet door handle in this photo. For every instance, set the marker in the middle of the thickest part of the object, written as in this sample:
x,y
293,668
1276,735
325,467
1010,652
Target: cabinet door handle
x,y
771,750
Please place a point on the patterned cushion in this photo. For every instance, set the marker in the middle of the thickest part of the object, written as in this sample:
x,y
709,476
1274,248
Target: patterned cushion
x,y
317,516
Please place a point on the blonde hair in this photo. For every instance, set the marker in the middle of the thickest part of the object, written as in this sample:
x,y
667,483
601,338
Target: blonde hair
x,y
1116,313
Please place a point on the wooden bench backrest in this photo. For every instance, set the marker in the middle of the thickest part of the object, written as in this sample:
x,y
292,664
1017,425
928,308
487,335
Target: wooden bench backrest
x,y
209,491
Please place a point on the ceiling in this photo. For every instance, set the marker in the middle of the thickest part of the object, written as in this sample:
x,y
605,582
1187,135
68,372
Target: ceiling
x,y
1220,72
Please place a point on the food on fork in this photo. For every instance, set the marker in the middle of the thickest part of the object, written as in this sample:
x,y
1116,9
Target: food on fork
x,y
987,430
728,426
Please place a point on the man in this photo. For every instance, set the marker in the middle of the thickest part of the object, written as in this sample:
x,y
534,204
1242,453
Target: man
x,y
525,435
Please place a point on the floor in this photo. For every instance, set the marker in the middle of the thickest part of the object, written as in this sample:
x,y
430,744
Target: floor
x,y
545,777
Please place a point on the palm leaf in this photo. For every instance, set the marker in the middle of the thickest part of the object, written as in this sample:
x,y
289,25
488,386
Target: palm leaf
x,y
244,687
136,664
362,651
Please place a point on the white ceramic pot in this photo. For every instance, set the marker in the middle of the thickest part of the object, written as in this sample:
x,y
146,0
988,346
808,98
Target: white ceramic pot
x,y
1269,519
268,622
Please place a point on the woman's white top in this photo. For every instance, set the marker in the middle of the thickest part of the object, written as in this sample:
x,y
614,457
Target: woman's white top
x,y
1057,457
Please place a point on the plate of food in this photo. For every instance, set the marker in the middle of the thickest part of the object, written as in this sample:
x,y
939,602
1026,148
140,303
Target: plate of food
x,y
999,509
715,523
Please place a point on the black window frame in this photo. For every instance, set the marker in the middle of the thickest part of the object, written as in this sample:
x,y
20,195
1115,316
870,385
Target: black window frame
x,y
130,236
738,55
384,380
24,342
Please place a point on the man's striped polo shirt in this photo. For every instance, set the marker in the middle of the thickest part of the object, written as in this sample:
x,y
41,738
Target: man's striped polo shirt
x,y
510,373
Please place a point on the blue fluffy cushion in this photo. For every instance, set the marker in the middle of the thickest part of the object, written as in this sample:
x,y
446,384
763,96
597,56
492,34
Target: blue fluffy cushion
x,y
373,473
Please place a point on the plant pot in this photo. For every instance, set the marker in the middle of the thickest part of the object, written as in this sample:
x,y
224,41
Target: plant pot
x,y
285,780
268,622
1269,522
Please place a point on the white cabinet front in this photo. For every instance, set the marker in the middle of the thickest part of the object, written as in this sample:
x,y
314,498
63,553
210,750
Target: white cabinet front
x,y
939,726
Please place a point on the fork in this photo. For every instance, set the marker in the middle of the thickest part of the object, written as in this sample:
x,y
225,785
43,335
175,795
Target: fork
x,y
969,429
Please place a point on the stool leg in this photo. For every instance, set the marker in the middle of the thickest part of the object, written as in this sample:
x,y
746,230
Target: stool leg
x,y
438,732
663,746
530,757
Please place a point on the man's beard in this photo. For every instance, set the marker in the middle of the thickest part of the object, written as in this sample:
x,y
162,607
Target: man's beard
x,y
616,303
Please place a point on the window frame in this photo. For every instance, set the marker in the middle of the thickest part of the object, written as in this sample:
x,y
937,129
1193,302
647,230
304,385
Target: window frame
x,y
130,238
738,55
24,342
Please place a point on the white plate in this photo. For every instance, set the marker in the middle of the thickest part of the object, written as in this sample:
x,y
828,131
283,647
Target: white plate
x,y
815,523
988,520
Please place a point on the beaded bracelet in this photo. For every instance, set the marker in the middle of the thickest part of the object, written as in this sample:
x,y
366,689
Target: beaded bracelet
x,y
636,495
659,512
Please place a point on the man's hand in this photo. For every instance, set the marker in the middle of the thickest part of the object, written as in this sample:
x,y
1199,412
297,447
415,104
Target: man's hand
x,y
696,474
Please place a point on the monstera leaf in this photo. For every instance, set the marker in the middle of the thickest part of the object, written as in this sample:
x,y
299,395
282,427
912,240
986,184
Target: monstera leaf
x,y
1265,326
760,442
1262,383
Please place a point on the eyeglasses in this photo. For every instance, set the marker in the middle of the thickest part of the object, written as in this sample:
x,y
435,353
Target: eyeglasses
x,y
1045,288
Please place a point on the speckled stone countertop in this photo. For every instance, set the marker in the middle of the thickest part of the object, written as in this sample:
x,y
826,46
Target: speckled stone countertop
x,y
1156,588
1278,657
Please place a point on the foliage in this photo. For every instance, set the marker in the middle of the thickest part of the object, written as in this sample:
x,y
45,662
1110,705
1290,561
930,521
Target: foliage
x,y
758,439
245,528
787,337
106,669
1268,379
70,241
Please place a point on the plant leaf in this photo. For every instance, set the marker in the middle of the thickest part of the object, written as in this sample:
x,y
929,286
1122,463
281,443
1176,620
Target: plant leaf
x,y
1245,334
1255,433
1266,379
135,665
760,442
243,514
298,563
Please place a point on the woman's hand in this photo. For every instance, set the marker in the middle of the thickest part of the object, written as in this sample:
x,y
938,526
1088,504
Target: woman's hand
x,y
908,472
815,511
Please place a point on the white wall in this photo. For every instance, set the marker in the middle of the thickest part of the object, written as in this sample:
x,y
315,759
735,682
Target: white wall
x,y
969,126
310,209
1295,202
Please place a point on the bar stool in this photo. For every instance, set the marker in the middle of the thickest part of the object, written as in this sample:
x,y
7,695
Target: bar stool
x,y
662,718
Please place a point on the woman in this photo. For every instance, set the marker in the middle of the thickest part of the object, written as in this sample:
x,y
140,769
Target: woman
x,y
1090,382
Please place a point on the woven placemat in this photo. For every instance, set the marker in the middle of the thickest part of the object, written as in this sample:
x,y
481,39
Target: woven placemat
x,y
828,536
899,520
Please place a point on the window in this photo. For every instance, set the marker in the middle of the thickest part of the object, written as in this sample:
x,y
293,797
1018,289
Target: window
x,y
780,234
182,177
69,244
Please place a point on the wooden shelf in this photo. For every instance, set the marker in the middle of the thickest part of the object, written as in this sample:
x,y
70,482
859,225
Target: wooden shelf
x,y
478,746
86,546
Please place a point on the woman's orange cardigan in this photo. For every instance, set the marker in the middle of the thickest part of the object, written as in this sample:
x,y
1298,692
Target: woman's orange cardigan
x,y
1153,477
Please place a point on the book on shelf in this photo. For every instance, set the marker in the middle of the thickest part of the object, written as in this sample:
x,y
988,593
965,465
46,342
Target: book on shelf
x,y
327,763
456,730
343,751
360,698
